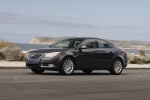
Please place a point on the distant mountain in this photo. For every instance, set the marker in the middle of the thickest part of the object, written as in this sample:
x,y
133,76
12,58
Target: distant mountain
x,y
120,43
46,40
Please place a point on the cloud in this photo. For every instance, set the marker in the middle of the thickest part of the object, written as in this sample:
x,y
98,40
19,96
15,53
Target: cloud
x,y
16,37
9,18
11,34
121,26
7,15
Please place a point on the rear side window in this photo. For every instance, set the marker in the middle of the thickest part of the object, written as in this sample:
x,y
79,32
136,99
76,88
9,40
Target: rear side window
x,y
91,44
104,44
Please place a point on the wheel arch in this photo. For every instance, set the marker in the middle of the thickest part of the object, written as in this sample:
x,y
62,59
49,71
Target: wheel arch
x,y
70,56
112,70
121,59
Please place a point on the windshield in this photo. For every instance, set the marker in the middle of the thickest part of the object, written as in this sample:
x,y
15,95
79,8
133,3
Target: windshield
x,y
68,43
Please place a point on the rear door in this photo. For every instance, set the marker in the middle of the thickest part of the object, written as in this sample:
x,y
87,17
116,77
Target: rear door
x,y
104,54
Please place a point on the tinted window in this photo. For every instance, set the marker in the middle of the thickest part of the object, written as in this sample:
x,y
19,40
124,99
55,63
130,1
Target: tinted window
x,y
91,44
103,44
76,43
63,44
68,43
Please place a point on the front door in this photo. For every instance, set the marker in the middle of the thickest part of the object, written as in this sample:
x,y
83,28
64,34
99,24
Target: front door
x,y
87,56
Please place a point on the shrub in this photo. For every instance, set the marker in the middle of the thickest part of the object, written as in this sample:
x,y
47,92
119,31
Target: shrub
x,y
142,53
137,61
4,43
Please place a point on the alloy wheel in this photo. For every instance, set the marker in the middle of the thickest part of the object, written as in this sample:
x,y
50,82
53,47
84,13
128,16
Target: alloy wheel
x,y
68,66
118,66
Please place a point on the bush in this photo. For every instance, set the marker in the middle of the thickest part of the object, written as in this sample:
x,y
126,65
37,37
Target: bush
x,y
4,43
142,53
137,61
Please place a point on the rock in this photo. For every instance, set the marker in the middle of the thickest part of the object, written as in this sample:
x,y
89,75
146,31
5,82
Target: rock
x,y
147,58
24,55
131,57
137,60
140,60
2,57
12,54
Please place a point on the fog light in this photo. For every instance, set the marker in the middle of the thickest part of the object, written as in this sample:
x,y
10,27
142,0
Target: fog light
x,y
51,65
47,65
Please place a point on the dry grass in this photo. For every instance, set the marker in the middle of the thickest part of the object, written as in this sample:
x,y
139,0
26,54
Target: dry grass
x,y
4,43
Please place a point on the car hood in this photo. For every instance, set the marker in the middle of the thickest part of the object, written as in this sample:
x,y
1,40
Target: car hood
x,y
46,50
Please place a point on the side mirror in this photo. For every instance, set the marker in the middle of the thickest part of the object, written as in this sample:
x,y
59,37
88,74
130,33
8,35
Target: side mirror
x,y
83,47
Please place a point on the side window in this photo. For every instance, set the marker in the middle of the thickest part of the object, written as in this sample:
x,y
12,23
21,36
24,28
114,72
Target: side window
x,y
76,43
103,44
63,44
91,44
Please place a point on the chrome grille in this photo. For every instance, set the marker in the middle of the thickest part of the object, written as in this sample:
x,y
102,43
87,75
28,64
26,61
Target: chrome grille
x,y
34,56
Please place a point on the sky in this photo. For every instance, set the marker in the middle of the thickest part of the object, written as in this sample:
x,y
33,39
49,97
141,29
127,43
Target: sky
x,y
20,20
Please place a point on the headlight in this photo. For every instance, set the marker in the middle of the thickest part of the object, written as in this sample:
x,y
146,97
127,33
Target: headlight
x,y
51,55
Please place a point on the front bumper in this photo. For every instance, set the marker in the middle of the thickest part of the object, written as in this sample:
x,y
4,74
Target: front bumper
x,y
125,61
40,66
44,63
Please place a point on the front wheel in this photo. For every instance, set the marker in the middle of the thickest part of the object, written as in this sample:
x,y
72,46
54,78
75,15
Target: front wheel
x,y
38,71
67,66
117,67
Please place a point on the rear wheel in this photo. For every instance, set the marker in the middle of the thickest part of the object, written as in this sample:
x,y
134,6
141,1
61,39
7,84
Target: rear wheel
x,y
87,71
67,66
117,67
38,71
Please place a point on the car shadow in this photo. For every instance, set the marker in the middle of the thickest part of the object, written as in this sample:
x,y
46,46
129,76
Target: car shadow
x,y
77,74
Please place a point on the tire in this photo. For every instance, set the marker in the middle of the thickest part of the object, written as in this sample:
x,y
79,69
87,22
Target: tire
x,y
38,71
67,66
117,67
87,71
